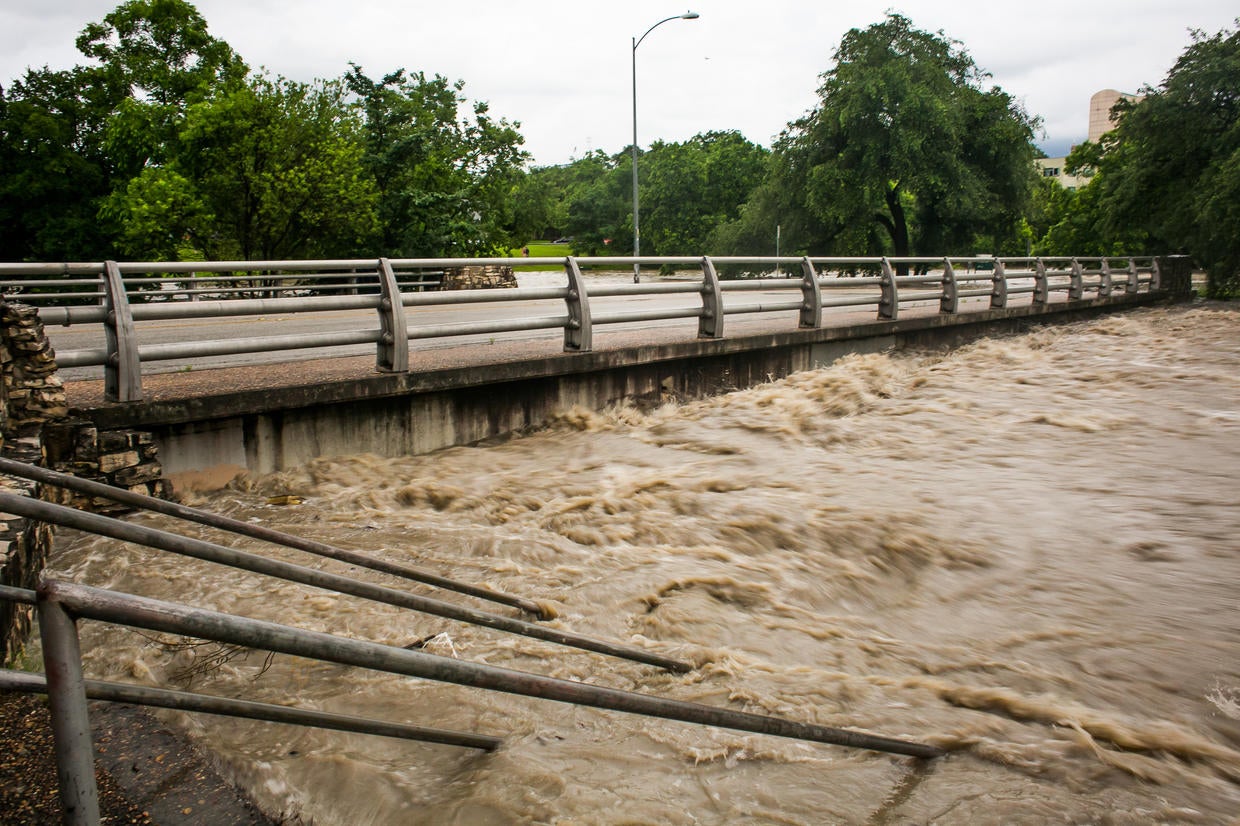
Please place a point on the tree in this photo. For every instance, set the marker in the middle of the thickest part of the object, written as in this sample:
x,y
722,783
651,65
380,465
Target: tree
x,y
70,141
1075,222
444,181
155,58
1171,167
54,169
692,187
268,169
599,206
906,152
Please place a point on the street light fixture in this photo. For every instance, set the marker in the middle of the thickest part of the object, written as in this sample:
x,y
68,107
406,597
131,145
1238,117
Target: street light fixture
x,y
637,234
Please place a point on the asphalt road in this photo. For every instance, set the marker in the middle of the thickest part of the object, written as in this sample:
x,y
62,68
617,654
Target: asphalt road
x,y
91,336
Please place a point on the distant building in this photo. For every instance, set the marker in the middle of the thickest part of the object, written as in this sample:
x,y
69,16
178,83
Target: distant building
x,y
1054,168
1100,122
1100,105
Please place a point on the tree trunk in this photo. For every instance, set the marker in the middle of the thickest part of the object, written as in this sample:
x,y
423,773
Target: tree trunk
x,y
898,227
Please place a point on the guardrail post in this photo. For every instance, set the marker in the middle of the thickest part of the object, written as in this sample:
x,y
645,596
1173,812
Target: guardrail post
x,y
1104,287
392,355
889,300
811,293
1155,275
710,323
1041,284
579,332
1076,288
122,375
998,292
66,694
950,302
1133,284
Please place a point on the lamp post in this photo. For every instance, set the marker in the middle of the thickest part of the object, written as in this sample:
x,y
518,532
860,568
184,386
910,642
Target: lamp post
x,y
637,233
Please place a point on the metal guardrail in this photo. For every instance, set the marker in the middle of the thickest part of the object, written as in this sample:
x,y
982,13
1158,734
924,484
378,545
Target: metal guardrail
x,y
116,295
61,604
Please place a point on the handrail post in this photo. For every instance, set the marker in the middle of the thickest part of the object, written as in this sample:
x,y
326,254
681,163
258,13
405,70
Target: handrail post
x,y
122,377
950,302
1134,285
1076,288
1041,284
1104,286
889,300
66,693
710,323
579,332
1155,275
811,293
392,353
999,288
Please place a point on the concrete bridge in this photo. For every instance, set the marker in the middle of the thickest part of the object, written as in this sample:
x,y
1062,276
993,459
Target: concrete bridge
x,y
210,424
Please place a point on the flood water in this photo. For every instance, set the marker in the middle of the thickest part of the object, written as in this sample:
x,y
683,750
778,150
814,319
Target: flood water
x,y
1025,550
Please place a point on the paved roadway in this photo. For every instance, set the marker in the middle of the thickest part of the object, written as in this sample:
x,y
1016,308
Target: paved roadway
x,y
181,377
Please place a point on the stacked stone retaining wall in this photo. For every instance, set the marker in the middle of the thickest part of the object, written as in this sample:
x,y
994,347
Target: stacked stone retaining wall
x,y
485,277
35,428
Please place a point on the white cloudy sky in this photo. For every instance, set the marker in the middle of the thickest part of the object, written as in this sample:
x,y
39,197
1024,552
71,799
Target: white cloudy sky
x,y
563,69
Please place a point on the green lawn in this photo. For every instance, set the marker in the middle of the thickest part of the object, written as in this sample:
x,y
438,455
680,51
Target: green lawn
x,y
541,249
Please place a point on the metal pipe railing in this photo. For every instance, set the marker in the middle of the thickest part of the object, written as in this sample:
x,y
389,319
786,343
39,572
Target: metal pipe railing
x,y
220,555
132,499
124,301
61,604
248,709
156,615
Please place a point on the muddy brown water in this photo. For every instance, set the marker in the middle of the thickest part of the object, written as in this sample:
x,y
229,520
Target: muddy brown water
x,y
1026,551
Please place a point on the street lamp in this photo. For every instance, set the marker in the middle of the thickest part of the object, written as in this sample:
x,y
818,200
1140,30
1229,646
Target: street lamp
x,y
637,234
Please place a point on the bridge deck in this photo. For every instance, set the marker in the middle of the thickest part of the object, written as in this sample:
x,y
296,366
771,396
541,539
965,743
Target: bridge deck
x,y
427,357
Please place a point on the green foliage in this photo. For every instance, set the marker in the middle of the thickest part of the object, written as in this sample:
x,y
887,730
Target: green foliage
x,y
156,57
164,146
445,182
268,169
167,148
905,153
1171,168
692,187
688,190
70,140
588,200
53,169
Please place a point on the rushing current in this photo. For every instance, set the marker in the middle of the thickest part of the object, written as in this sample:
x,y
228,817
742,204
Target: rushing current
x,y
1025,550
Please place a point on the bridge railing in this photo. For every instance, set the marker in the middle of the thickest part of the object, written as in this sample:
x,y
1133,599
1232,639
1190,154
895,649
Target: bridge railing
x,y
116,295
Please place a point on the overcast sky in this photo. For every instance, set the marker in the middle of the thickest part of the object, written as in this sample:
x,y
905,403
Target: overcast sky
x,y
563,69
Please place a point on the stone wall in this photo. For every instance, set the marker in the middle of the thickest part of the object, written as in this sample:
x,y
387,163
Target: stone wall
x,y
121,458
33,391
487,277
30,393
35,428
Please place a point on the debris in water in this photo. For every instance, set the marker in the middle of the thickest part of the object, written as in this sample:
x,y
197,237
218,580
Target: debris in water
x,y
285,499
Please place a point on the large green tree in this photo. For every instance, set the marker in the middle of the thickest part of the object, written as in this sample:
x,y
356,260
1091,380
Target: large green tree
x,y
155,58
444,180
54,169
690,188
69,140
266,169
908,152
1171,168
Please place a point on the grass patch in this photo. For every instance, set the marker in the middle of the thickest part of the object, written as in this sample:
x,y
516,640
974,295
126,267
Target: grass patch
x,y
540,249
